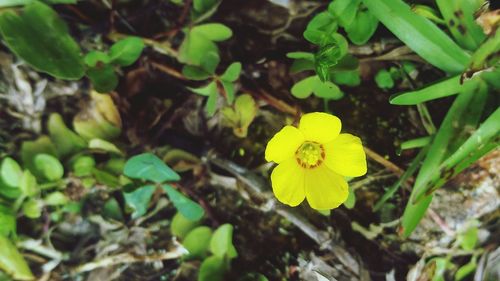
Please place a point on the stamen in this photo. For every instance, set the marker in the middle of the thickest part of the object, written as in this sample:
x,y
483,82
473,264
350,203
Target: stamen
x,y
310,155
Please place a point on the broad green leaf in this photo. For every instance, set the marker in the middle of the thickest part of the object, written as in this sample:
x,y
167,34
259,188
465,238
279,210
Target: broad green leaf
x,y
327,90
212,31
209,89
103,78
323,22
32,208
221,244
12,262
344,10
181,226
187,207
299,65
106,178
115,165
28,184
126,51
49,167
194,73
138,200
83,165
361,29
194,48
106,146
450,128
468,239
447,87
7,221
232,72
212,269
29,149
66,141
93,58
241,115
304,88
384,79
197,242
420,34
10,173
42,39
441,264
210,62
55,198
459,16
348,78
147,166
113,210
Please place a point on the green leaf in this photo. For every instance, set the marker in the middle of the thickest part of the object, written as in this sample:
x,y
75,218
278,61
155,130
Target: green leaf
x,y
12,262
459,16
106,146
344,10
55,198
420,34
210,62
202,6
232,72
106,178
103,78
195,73
194,48
212,269
447,87
7,221
441,264
10,173
212,31
241,115
348,78
323,22
42,39
384,79
49,167
351,199
181,226
208,90
66,141
28,184
138,200
327,90
304,87
29,149
448,132
211,105
197,242
362,28
221,244
468,239
229,90
126,51
112,210
187,207
466,269
300,55
93,58
414,143
32,208
147,166
301,65
484,57
83,165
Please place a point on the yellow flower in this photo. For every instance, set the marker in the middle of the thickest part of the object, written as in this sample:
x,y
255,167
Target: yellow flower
x,y
313,160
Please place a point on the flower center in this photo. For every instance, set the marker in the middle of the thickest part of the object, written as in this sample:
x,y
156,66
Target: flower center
x,y
310,155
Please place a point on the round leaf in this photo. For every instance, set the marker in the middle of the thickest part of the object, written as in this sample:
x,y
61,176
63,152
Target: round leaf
x,y
147,166
126,51
49,167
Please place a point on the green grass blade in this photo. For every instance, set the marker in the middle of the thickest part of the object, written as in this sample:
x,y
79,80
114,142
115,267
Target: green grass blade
x,y
420,34
447,87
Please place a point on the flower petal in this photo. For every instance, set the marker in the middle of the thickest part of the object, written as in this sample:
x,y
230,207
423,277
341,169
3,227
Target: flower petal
x,y
288,182
325,189
284,144
320,127
345,155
